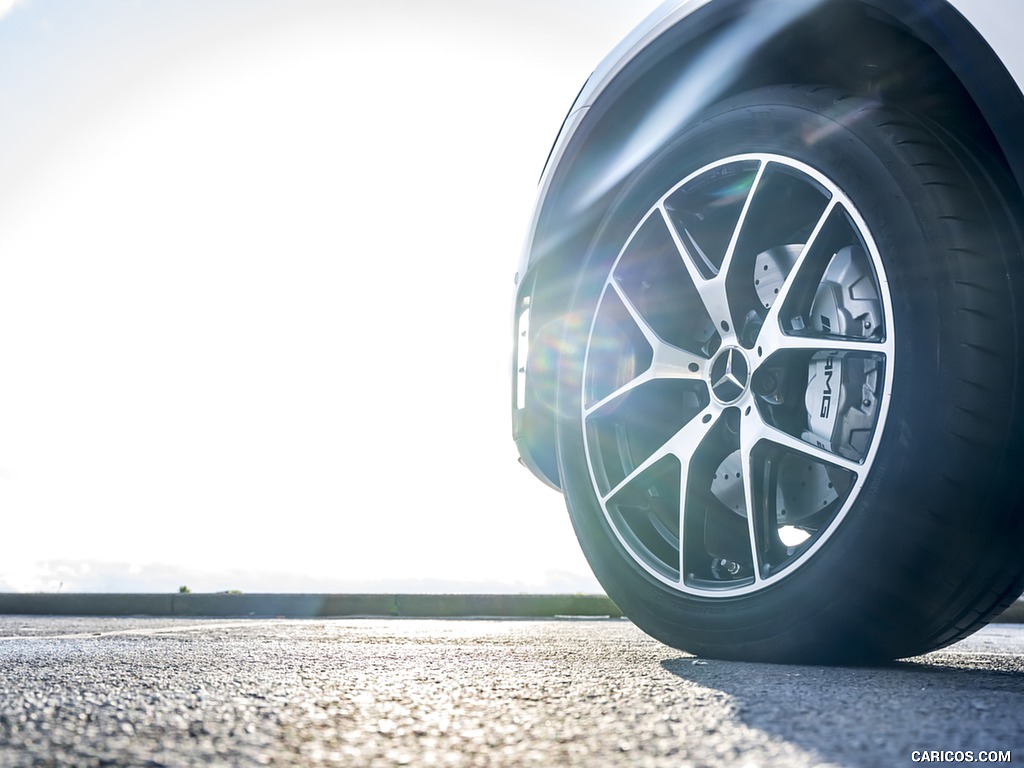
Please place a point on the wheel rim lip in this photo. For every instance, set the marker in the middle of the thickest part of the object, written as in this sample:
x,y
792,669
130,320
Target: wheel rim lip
x,y
746,399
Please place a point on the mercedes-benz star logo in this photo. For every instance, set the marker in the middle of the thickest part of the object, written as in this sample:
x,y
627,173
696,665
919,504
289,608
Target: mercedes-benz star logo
x,y
729,375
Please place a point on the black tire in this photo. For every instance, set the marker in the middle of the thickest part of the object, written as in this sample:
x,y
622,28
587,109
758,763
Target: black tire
x,y
889,372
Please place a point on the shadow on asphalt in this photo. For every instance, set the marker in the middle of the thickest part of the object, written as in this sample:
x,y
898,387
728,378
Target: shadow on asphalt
x,y
876,715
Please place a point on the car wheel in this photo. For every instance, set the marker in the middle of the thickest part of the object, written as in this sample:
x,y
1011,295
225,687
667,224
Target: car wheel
x,y
790,422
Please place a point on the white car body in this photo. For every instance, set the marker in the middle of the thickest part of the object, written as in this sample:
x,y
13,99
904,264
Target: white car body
x,y
992,19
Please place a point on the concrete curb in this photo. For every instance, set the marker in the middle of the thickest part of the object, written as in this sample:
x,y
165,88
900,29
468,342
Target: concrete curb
x,y
330,605
307,605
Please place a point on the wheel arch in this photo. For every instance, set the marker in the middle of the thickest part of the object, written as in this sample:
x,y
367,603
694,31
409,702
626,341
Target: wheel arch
x,y
921,55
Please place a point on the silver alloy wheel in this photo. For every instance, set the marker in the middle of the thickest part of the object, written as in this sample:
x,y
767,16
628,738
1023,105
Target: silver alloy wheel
x,y
737,375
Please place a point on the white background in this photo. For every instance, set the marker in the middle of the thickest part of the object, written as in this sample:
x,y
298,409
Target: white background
x,y
256,271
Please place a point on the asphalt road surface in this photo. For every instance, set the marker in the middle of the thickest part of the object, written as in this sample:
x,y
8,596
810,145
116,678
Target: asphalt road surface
x,y
175,692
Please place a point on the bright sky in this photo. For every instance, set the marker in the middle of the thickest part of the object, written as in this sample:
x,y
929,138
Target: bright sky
x,y
256,265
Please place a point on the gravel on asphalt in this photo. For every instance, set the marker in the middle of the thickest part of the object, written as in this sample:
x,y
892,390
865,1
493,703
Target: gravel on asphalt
x,y
165,692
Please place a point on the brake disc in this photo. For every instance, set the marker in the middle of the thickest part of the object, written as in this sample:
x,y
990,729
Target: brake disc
x,y
804,488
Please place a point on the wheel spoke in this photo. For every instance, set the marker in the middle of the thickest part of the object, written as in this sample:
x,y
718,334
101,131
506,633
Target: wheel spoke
x,y
712,291
773,337
748,439
629,386
683,444
689,262
772,321
740,223
759,430
667,360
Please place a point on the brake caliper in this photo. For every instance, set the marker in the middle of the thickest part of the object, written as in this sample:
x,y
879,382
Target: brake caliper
x,y
842,388
823,398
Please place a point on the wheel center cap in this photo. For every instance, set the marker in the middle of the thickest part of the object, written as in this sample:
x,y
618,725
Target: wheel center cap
x,y
730,374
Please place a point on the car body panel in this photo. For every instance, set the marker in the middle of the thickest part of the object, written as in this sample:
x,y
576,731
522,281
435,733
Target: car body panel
x,y
992,20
